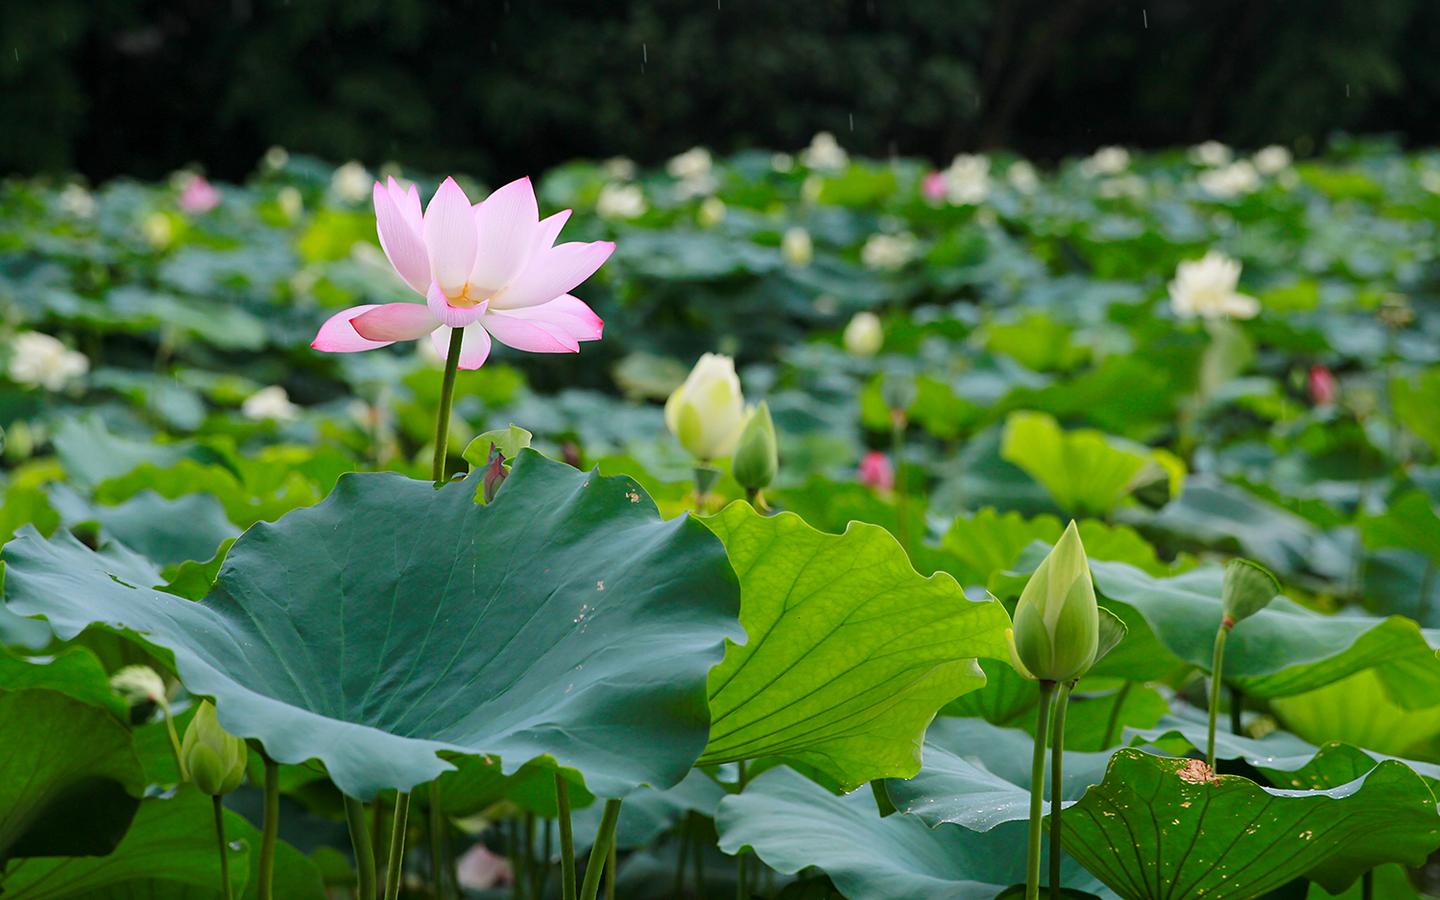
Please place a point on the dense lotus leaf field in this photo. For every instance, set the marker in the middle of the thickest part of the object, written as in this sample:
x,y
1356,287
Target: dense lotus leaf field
x,y
597,656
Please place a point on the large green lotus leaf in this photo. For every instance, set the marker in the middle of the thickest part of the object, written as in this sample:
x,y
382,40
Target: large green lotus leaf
x,y
394,621
1287,760
1416,402
792,823
1361,710
69,778
1222,515
1284,649
1085,471
978,776
168,853
1410,522
75,672
850,652
1167,827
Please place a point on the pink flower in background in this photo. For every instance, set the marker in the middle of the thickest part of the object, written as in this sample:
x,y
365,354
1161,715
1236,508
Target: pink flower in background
x,y
480,870
876,472
492,269
1322,385
934,187
199,195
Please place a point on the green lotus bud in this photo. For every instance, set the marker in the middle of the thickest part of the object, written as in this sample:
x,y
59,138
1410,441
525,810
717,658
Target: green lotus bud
x,y
756,457
1249,588
212,758
1057,622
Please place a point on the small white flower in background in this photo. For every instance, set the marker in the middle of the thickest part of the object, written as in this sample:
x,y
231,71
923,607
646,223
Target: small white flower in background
x,y
811,188
1105,161
796,246
290,202
825,153
352,182
39,360
782,162
1210,153
480,870
620,201
888,251
618,168
138,684
76,201
1230,181
1023,177
1206,287
864,335
712,212
967,180
1273,160
693,163
276,158
270,403
1131,186
1430,180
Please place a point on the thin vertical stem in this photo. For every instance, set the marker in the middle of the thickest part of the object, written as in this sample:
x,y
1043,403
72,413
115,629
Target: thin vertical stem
x,y
447,397
220,843
364,849
270,828
1216,666
897,449
532,863
683,834
437,842
1367,885
1114,724
1037,791
1237,706
546,854
395,867
377,832
600,852
1057,786
699,856
740,874
612,870
567,838
174,742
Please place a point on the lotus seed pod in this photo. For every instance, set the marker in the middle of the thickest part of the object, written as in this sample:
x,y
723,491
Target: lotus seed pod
x,y
1249,587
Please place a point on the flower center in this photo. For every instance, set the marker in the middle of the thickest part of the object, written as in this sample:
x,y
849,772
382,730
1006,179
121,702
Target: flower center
x,y
464,300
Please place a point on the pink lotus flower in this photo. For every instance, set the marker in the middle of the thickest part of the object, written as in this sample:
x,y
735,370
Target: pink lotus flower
x,y
1322,385
480,870
933,187
876,471
492,269
199,195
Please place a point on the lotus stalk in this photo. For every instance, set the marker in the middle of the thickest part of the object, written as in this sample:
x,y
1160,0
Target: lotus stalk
x,y
1248,588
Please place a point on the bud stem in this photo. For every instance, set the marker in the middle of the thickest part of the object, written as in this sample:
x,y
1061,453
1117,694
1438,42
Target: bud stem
x,y
270,828
175,742
1057,789
447,397
395,868
364,848
1037,791
567,838
601,851
220,840
1216,681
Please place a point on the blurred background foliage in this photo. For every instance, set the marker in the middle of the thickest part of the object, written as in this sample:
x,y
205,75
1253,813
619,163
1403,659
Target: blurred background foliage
x,y
495,88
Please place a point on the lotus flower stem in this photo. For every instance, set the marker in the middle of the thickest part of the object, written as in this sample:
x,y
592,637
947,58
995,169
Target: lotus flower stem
x,y
546,853
1057,757
1113,724
1216,681
740,892
174,742
447,397
364,848
699,856
270,828
897,449
395,866
600,852
220,841
612,869
567,838
683,835
437,842
1037,791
